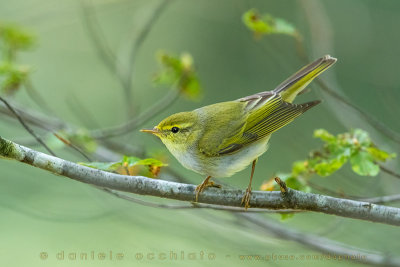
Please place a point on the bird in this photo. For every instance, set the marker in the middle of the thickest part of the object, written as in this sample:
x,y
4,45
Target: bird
x,y
222,139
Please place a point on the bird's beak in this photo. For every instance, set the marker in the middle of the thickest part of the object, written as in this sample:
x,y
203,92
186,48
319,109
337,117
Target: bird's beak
x,y
154,131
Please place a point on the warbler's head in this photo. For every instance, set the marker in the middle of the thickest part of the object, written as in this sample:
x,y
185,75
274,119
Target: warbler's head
x,y
177,131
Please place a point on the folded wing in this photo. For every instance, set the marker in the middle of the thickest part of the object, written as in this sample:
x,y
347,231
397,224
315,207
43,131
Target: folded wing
x,y
267,112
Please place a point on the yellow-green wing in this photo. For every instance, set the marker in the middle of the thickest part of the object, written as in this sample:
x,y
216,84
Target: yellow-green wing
x,y
265,115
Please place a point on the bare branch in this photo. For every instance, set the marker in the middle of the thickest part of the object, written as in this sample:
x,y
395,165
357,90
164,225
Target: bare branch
x,y
107,150
30,131
74,147
36,97
135,48
375,200
34,118
390,172
126,127
302,53
106,54
99,41
186,192
193,205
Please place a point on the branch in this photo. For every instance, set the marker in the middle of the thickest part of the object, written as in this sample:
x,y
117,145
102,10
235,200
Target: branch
x,y
193,205
388,171
96,36
106,54
33,117
186,192
139,40
312,241
128,126
38,139
311,9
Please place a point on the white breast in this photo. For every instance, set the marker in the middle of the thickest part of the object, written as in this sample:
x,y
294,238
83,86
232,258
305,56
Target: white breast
x,y
227,165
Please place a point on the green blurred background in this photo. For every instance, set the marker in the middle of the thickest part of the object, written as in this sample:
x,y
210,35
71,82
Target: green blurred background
x,y
41,212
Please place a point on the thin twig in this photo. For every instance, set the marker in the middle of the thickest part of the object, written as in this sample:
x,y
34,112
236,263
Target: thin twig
x,y
36,97
27,128
43,121
81,112
379,126
105,152
135,48
143,117
388,171
70,144
96,36
303,55
394,136
375,200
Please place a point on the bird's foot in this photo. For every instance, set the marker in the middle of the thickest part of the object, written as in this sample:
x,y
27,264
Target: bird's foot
x,y
246,198
206,183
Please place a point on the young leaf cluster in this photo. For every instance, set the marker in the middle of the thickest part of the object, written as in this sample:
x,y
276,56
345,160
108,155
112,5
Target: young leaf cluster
x,y
179,72
149,167
12,41
267,24
354,147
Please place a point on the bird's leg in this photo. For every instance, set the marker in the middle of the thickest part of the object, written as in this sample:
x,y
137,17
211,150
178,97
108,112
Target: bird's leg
x,y
247,195
206,183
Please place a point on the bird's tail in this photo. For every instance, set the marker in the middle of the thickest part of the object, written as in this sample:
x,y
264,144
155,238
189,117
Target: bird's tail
x,y
296,83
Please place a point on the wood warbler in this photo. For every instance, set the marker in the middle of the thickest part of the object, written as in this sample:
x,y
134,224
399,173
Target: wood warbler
x,y
221,139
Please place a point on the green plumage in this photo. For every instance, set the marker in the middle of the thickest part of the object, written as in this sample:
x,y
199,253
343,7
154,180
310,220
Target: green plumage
x,y
221,139
255,117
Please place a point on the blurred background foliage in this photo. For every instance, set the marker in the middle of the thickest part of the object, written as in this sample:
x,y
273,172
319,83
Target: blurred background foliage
x,y
41,212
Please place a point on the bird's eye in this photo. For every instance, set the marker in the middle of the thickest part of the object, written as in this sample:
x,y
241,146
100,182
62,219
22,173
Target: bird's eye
x,y
174,129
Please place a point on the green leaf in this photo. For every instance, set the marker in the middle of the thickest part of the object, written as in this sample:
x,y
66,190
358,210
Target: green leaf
x,y
180,73
361,137
105,166
363,164
130,161
380,155
129,166
152,162
326,168
299,167
267,24
253,21
15,37
134,161
324,135
12,76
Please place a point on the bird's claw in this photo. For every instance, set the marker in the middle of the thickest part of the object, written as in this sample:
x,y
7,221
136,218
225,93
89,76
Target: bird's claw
x,y
200,188
246,198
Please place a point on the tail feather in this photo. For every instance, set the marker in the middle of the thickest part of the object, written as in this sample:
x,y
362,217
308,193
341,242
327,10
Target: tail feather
x,y
296,83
